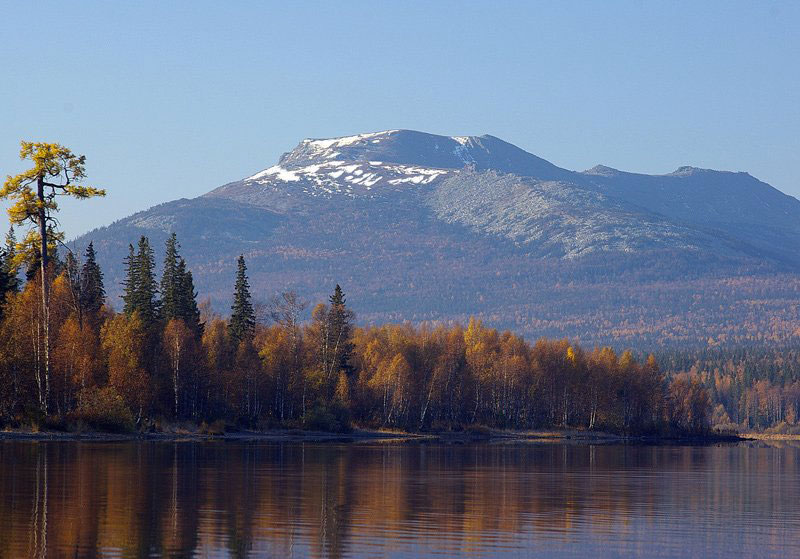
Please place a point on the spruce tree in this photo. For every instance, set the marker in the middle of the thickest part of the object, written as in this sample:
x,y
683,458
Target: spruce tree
x,y
340,329
187,300
130,282
178,297
243,318
9,283
141,289
93,294
74,283
6,279
10,267
170,281
337,299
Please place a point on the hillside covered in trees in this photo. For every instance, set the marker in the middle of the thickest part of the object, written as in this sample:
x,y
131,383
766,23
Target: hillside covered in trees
x,y
751,388
475,226
166,358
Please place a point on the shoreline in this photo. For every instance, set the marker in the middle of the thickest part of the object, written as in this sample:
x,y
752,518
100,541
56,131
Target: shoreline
x,y
548,436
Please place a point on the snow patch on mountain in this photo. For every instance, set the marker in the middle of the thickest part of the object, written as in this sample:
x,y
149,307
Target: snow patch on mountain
x,y
327,144
345,177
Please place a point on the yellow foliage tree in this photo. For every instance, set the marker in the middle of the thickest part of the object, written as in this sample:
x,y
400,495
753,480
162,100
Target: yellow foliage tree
x,y
33,192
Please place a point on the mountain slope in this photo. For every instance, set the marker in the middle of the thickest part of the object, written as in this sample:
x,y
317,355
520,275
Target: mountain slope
x,y
424,227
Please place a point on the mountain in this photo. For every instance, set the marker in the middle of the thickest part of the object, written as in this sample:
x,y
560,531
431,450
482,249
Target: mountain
x,y
420,227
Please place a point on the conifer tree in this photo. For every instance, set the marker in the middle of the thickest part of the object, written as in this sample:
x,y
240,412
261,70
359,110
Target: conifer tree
x,y
141,290
178,297
335,324
170,281
187,300
341,327
9,283
6,280
243,317
74,284
130,282
10,267
93,294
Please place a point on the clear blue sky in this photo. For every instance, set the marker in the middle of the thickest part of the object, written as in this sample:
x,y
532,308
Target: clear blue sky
x,y
171,99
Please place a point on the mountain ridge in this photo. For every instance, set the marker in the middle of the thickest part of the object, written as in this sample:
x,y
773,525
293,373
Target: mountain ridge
x,y
460,217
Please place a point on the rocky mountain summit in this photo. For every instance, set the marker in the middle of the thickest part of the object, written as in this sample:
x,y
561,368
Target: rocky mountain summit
x,y
427,227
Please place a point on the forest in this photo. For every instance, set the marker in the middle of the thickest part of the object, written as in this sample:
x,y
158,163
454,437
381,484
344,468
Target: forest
x,y
166,358
69,360
751,388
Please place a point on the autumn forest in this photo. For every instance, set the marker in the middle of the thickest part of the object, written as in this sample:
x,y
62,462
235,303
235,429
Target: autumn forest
x,y
165,358
69,360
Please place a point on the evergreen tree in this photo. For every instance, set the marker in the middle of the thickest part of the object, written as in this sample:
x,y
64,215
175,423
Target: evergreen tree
x,y
74,284
337,299
187,300
93,294
178,297
170,281
334,324
6,280
243,317
141,289
9,283
130,282
10,267
340,328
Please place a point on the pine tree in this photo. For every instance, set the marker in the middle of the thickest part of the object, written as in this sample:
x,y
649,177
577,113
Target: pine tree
x,y
178,297
335,324
93,294
6,280
337,299
340,328
141,290
74,284
9,283
10,267
187,300
130,282
170,281
243,318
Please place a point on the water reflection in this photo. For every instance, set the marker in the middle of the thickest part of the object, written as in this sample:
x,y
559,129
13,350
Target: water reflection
x,y
224,499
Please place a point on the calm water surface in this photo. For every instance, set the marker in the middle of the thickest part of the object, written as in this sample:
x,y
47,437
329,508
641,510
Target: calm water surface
x,y
226,499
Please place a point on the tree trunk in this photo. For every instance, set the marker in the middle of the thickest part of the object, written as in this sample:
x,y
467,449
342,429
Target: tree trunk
x,y
42,219
176,364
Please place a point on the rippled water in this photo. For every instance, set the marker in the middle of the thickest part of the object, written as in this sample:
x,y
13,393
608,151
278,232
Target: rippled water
x,y
226,499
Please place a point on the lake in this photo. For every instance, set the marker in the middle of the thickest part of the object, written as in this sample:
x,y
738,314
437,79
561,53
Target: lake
x,y
257,499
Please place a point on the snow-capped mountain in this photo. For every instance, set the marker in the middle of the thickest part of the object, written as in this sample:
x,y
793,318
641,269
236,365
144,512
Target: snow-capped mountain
x,y
473,224
368,165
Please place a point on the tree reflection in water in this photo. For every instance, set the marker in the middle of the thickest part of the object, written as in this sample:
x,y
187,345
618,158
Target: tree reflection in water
x,y
226,499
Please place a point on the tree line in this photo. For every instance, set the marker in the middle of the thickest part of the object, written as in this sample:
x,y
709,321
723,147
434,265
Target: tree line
x,y
68,358
751,388
163,357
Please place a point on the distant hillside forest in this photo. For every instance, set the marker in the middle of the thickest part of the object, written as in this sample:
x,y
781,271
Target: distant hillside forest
x,y
164,358
751,388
